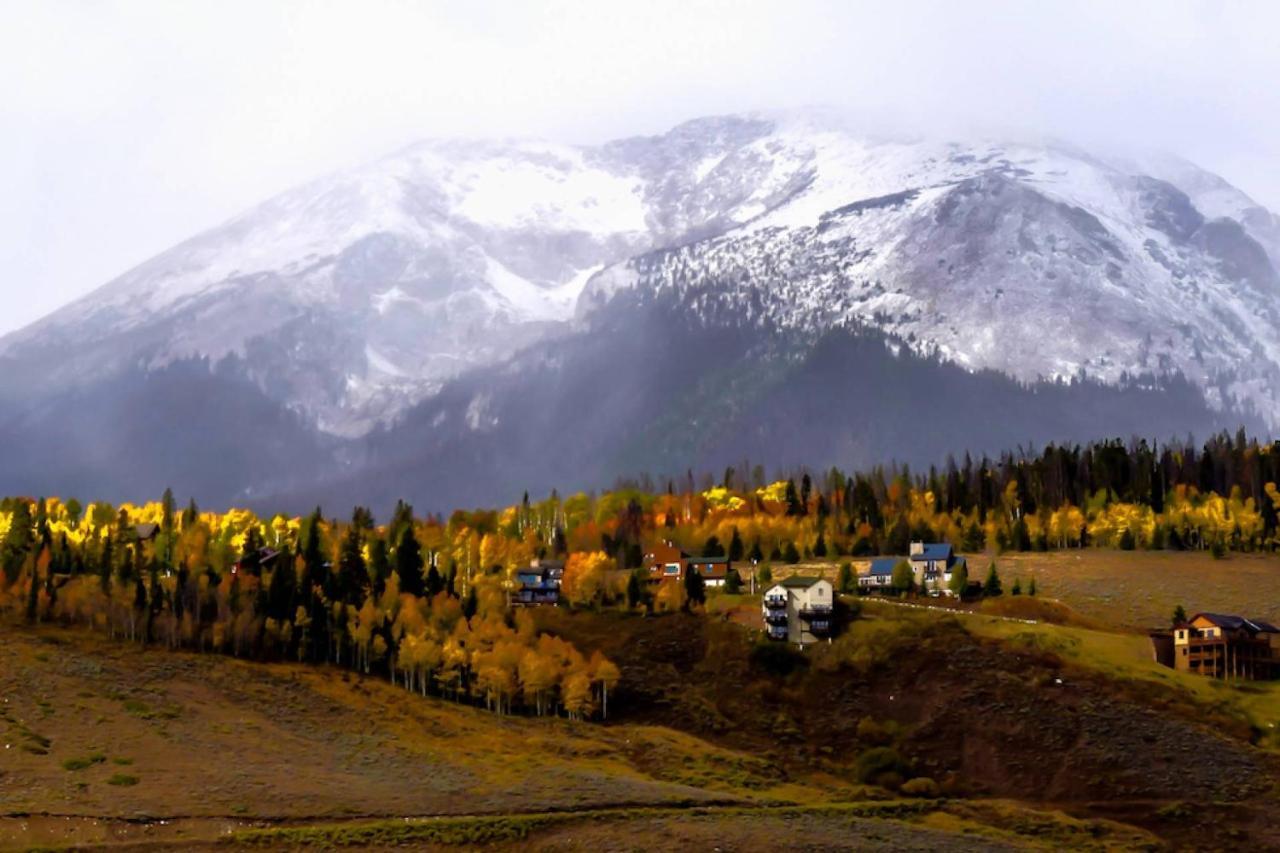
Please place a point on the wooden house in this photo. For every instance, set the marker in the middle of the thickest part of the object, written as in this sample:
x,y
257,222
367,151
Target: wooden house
x,y
667,562
1223,646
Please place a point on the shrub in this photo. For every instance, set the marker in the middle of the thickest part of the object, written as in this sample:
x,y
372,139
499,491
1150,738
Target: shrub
x,y
82,763
123,779
869,731
875,766
921,786
779,659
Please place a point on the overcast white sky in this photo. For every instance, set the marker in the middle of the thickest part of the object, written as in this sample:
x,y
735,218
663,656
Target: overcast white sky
x,y
126,127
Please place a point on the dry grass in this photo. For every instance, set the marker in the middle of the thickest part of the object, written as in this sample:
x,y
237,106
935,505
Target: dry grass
x,y
1129,590
203,737
1128,658
1136,590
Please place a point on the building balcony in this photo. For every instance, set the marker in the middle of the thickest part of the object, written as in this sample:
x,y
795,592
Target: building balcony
x,y
775,617
776,633
815,611
820,627
525,596
775,601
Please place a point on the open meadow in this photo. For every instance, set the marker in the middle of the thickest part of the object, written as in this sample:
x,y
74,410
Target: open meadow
x,y
1138,590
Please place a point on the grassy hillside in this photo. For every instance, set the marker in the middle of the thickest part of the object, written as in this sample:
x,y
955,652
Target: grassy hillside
x,y
107,744
984,707
1060,731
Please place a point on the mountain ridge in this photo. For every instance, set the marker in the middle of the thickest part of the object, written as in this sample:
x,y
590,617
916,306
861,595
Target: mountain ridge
x,y
431,279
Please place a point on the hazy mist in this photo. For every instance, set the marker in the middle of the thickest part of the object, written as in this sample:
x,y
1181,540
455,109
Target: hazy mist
x,y
130,126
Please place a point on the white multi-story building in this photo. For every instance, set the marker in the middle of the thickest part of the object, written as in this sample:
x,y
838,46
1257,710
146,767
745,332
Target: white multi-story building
x,y
799,609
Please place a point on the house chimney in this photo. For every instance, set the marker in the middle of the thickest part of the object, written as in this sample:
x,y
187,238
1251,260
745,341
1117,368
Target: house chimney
x,y
917,548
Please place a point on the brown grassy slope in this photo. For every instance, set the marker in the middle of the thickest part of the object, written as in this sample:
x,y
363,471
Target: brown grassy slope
x,y
207,735
218,747
1003,720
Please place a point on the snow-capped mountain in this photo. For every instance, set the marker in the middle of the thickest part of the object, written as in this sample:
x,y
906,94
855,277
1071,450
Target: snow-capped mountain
x,y
1038,261
414,299
356,295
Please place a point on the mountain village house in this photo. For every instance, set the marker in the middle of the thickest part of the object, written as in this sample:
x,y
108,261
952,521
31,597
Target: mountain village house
x,y
667,562
539,583
1219,646
799,609
931,562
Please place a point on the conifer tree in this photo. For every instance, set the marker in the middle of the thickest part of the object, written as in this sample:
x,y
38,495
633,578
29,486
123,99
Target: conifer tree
x,y
1179,616
352,575
736,548
793,500
903,579
845,580
991,586
694,587
379,565
191,514
281,590
733,582
960,580
1021,535
33,595
434,583
104,565
408,563
635,592
18,540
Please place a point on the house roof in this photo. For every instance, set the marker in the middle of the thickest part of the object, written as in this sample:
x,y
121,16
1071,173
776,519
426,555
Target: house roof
x,y
701,560
884,565
800,582
1233,622
146,531
934,551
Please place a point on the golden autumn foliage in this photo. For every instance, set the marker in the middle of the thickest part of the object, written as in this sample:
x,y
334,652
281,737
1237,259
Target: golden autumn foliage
x,y
586,577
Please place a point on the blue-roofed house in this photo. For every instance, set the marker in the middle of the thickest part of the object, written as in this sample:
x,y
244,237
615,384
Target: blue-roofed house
x,y
539,583
932,563
881,574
